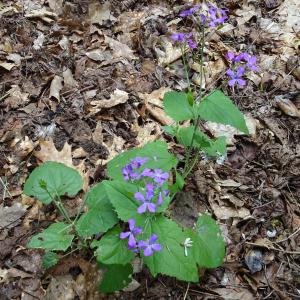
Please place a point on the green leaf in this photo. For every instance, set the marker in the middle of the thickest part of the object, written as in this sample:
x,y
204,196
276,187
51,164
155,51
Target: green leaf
x,y
217,147
116,278
217,107
208,247
55,237
113,250
100,216
52,179
121,195
158,155
177,106
171,260
179,181
185,135
171,130
49,260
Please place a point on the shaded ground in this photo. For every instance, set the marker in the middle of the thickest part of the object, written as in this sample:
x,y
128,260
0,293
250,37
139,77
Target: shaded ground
x,y
92,74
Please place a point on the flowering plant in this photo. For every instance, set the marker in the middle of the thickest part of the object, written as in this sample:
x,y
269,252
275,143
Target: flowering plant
x,y
126,216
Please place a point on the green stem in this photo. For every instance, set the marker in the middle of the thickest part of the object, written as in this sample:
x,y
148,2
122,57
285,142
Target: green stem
x,y
185,65
197,121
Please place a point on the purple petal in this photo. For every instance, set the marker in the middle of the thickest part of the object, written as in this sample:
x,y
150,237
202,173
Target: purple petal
x,y
139,196
124,235
137,230
147,173
159,199
151,207
241,82
142,208
156,247
230,73
230,55
239,57
153,238
131,241
232,82
148,251
240,71
143,244
131,223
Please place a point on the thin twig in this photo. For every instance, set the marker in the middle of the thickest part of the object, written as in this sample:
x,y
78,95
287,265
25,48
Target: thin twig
x,y
186,292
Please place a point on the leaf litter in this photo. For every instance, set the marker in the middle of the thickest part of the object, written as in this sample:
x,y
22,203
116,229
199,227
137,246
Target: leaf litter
x,y
83,81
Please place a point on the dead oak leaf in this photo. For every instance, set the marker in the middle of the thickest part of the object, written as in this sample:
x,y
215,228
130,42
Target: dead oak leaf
x,y
117,97
49,152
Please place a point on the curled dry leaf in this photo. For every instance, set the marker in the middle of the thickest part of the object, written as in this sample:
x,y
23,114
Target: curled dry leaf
x,y
117,97
69,81
154,104
55,87
48,152
287,106
7,66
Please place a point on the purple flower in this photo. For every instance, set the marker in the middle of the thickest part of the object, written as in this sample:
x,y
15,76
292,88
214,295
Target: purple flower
x,y
127,171
230,56
149,190
133,231
189,11
138,162
150,246
184,38
147,173
179,37
236,77
160,177
216,16
192,44
147,205
251,61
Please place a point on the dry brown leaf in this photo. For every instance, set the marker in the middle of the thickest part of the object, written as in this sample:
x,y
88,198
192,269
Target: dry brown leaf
x,y
100,13
10,215
223,212
117,97
55,87
234,293
159,115
7,66
16,98
15,57
114,148
218,130
69,81
49,152
169,53
148,133
287,106
155,97
42,14
120,50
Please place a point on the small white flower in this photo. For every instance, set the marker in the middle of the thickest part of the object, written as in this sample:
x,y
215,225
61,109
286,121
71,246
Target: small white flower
x,y
187,244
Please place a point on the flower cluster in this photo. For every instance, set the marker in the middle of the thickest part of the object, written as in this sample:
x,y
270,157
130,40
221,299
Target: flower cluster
x,y
185,39
241,64
152,194
148,246
209,14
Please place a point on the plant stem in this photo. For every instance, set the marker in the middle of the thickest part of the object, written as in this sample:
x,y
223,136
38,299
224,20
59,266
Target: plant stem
x,y
196,124
185,65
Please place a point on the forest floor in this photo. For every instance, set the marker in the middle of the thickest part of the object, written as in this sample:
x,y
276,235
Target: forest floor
x,y
60,61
